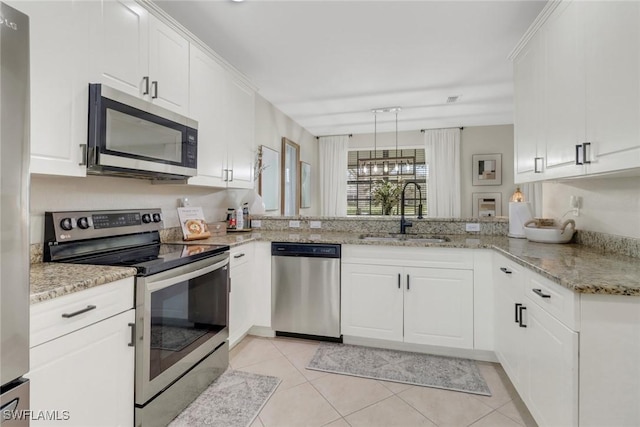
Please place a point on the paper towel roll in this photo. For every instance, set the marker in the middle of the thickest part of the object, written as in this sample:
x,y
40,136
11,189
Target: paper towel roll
x,y
519,213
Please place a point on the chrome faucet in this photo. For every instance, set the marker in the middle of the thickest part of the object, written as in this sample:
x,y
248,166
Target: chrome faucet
x,y
403,222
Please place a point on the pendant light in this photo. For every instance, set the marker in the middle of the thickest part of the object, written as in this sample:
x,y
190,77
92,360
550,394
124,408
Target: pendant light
x,y
375,144
397,168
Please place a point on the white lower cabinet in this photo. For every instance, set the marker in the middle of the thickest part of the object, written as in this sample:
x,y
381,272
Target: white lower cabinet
x,y
539,352
417,305
84,377
241,292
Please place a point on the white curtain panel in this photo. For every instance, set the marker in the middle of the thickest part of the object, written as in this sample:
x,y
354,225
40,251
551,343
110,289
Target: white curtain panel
x,y
533,193
333,174
442,149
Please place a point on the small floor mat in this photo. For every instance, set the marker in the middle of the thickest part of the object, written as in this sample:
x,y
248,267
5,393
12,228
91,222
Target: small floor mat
x,y
449,373
232,400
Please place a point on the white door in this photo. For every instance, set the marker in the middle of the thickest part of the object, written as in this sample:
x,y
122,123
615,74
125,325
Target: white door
x,y
612,67
88,373
372,301
168,67
564,90
59,86
241,147
121,41
438,307
551,375
207,105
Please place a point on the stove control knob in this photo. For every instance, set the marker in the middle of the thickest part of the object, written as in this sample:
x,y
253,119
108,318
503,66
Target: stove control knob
x,y
66,224
83,223
146,218
157,217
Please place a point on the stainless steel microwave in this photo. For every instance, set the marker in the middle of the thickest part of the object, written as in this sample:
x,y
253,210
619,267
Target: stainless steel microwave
x,y
132,137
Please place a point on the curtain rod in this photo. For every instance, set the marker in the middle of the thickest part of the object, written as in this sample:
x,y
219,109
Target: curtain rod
x,y
342,134
422,130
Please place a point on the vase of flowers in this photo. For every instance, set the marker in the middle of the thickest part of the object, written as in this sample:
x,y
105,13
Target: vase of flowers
x,y
386,194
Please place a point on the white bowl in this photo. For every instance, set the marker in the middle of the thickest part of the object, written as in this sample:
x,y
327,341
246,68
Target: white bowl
x,y
550,234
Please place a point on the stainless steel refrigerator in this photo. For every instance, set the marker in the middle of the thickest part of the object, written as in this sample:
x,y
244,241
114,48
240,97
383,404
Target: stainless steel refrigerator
x,y
14,216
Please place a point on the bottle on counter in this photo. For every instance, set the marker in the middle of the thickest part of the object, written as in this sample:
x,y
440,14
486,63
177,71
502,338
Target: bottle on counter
x,y
239,219
245,216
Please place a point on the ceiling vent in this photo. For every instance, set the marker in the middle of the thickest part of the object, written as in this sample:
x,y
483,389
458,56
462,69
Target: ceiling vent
x,y
452,99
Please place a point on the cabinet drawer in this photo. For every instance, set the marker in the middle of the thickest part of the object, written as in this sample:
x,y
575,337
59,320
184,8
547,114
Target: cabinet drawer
x,y
240,255
561,303
52,319
402,256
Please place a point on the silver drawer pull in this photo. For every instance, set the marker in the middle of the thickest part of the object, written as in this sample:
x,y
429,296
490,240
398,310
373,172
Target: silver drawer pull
x,y
540,293
75,313
505,270
238,256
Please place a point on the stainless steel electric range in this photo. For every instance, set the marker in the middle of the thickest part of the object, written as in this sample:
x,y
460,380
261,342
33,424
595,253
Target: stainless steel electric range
x,y
181,301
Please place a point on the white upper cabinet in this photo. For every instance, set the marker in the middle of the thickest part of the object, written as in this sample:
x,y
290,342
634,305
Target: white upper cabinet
x,y
59,91
138,54
612,65
577,92
224,108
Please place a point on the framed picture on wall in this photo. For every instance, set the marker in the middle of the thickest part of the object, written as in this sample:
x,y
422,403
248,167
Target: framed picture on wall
x,y
486,204
487,169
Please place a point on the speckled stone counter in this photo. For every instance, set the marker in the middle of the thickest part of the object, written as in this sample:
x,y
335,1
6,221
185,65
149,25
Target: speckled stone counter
x,y
582,269
52,280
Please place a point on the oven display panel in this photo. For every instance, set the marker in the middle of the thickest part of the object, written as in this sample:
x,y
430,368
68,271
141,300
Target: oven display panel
x,y
116,220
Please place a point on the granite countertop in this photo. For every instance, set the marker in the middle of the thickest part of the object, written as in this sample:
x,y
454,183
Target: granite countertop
x,y
576,267
52,280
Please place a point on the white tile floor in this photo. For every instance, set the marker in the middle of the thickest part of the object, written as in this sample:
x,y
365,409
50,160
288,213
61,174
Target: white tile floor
x,y
312,398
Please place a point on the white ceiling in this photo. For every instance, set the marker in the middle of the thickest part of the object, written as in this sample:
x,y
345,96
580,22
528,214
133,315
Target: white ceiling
x,y
326,64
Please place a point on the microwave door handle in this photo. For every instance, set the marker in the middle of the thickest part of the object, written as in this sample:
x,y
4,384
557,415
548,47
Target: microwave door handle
x,y
160,284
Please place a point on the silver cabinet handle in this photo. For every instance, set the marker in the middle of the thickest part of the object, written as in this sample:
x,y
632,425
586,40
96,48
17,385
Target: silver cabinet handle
x,y
586,148
537,164
231,170
133,334
408,287
399,281
540,293
154,86
238,256
145,79
505,270
75,313
83,155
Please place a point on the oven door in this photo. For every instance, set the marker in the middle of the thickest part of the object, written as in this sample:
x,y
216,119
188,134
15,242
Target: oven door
x,y
130,135
181,316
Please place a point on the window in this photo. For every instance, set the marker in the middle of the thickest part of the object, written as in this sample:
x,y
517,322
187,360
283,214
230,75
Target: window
x,y
362,177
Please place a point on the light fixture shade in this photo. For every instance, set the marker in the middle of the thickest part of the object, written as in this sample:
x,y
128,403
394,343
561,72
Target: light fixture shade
x,y
517,195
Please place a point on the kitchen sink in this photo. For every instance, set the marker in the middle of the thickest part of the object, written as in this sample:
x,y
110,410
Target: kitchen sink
x,y
406,238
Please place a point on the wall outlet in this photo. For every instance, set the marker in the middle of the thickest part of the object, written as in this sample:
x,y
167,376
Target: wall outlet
x,y
315,224
256,223
294,224
472,226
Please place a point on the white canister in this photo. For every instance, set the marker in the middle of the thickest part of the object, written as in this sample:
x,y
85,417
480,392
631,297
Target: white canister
x,y
519,213
239,219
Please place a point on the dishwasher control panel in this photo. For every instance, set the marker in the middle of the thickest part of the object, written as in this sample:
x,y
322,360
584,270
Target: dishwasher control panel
x,y
306,250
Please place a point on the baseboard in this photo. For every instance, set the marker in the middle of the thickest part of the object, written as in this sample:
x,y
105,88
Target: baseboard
x,y
482,355
262,331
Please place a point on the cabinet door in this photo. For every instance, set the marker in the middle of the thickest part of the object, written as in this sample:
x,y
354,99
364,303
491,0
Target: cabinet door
x,y
207,100
168,67
121,43
508,333
612,38
551,377
88,373
438,307
240,295
241,147
564,90
372,301
59,85
528,101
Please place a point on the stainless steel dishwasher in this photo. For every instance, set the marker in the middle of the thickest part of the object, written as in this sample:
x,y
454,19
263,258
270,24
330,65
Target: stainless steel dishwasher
x,y
305,290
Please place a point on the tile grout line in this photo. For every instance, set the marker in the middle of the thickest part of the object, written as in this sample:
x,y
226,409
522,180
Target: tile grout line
x,y
416,409
511,418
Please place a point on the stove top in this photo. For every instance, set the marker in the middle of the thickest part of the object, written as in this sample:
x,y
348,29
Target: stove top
x,y
118,238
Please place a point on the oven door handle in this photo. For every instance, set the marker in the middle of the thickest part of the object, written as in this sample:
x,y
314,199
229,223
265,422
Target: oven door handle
x,y
160,284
